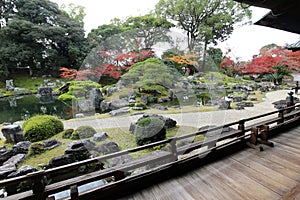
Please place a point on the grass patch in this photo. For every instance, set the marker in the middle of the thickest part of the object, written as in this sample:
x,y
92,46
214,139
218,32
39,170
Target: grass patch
x,y
121,136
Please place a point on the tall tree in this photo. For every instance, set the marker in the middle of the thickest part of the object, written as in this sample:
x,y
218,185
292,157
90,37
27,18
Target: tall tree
x,y
149,29
103,32
75,12
206,21
38,35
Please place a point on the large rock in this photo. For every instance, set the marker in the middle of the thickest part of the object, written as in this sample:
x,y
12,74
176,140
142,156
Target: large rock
x,y
120,111
15,160
13,133
61,160
100,136
5,170
80,149
3,149
117,104
86,143
22,171
85,105
6,155
169,123
108,147
105,106
96,97
51,144
21,147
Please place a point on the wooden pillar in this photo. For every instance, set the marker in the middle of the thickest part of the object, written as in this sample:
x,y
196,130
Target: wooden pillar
x,y
174,149
281,116
38,186
241,127
264,136
74,192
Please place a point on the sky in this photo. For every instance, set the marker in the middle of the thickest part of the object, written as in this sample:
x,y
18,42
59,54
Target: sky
x,y
244,42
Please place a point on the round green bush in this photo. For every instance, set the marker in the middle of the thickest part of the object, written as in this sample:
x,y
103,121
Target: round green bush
x,y
36,148
66,134
83,132
41,127
149,130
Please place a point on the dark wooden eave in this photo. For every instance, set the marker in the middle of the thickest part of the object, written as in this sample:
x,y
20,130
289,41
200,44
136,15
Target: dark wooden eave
x,y
284,14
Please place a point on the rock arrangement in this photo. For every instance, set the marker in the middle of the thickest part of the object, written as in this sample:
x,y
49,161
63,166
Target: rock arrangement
x,y
169,123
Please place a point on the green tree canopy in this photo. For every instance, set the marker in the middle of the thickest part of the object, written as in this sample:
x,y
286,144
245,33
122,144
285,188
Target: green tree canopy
x,y
38,35
204,21
102,33
149,29
151,72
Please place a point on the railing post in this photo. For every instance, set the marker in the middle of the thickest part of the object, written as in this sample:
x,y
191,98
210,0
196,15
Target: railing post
x,y
241,127
119,175
74,192
281,116
174,149
38,185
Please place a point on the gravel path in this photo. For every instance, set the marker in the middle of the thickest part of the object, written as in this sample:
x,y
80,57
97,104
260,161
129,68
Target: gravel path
x,y
196,119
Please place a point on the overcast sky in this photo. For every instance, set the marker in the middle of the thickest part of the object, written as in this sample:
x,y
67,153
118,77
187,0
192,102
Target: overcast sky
x,y
244,42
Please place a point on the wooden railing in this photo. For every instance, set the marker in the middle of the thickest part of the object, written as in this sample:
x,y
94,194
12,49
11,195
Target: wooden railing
x,y
252,134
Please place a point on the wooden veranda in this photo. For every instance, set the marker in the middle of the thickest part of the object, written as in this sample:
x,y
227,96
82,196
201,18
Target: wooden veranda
x,y
249,174
221,166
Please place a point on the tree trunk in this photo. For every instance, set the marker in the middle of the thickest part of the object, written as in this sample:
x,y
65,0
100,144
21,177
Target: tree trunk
x,y
204,56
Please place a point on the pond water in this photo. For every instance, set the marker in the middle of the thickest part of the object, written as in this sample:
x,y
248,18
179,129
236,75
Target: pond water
x,y
14,109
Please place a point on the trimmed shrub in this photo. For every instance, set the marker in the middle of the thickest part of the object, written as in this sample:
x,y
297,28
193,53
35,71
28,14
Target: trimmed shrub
x,y
83,132
66,134
41,127
149,130
36,148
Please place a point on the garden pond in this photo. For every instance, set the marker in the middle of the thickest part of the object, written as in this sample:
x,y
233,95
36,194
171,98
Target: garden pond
x,y
20,108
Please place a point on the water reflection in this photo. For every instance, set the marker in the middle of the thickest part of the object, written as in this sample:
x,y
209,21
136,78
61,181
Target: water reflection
x,y
21,108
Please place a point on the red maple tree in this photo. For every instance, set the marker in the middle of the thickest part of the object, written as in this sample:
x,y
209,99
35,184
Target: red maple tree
x,y
270,58
114,65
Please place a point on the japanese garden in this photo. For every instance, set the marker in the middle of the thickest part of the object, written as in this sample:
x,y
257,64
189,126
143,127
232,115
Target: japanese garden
x,y
68,95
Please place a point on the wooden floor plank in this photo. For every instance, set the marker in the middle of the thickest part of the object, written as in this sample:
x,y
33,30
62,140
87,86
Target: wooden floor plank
x,y
285,148
291,138
197,188
286,142
281,159
220,186
249,174
247,159
294,194
248,187
258,177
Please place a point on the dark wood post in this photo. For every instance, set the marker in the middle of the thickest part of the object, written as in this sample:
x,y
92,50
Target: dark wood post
x,y
74,192
174,149
38,185
281,116
241,127
119,175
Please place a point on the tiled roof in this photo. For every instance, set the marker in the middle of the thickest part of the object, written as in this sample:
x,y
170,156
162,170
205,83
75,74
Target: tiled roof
x,y
295,45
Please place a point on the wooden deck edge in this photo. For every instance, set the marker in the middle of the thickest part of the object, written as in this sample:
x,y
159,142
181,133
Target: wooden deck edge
x,y
136,183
